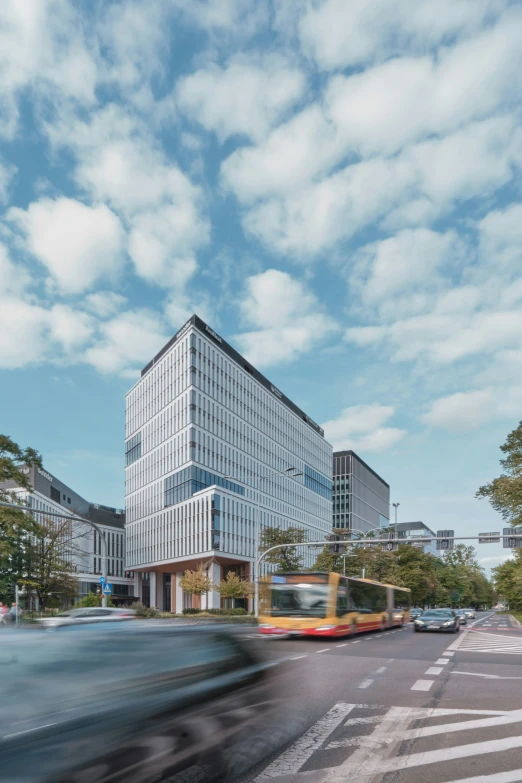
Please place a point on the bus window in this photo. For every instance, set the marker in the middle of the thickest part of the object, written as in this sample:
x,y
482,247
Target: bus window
x,y
368,598
401,599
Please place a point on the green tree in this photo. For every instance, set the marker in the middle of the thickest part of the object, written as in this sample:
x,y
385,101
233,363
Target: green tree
x,y
507,579
288,558
48,573
234,587
92,599
418,571
196,582
505,492
15,526
328,561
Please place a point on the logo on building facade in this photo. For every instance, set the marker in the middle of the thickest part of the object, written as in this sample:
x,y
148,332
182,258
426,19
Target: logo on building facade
x,y
213,334
44,474
276,392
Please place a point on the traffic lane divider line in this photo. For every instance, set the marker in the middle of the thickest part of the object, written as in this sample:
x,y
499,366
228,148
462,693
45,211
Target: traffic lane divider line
x,y
488,676
380,670
326,649
441,661
422,685
434,670
365,683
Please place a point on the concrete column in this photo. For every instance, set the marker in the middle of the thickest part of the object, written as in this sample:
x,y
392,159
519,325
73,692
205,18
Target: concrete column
x,y
138,586
178,592
153,589
159,591
213,598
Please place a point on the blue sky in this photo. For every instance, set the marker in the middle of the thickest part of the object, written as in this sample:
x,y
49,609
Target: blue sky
x,y
334,186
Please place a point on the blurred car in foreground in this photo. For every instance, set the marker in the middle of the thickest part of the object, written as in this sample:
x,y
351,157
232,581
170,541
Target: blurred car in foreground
x,y
462,615
437,620
91,614
129,703
470,613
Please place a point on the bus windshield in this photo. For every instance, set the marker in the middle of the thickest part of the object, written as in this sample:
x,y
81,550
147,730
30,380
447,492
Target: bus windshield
x,y
300,599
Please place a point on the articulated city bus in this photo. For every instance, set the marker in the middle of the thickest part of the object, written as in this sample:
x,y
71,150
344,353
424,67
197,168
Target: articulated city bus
x,y
328,604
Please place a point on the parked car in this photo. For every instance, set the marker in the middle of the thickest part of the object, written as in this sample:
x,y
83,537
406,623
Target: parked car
x,y
437,620
470,613
130,702
90,614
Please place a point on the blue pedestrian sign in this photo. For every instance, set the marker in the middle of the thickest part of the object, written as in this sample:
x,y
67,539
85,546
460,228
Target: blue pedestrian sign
x,y
102,579
107,590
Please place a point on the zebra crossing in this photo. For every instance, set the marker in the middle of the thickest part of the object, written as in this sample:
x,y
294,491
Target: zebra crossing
x,y
362,743
487,642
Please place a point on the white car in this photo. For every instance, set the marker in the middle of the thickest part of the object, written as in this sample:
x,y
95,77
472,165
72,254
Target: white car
x,y
90,614
470,613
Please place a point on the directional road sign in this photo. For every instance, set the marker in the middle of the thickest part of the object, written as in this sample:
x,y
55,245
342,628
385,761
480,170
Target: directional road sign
x,y
107,590
489,538
447,536
390,543
102,579
510,542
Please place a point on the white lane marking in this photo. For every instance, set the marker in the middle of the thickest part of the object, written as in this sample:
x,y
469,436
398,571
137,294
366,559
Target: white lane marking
x,y
449,654
422,685
380,670
365,683
297,754
297,657
515,716
357,642
442,661
477,641
513,776
377,636
433,670
361,721
488,676
342,645
325,650
449,754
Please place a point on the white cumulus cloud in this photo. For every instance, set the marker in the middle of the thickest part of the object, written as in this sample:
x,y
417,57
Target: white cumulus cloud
x,y
243,98
361,428
78,244
285,316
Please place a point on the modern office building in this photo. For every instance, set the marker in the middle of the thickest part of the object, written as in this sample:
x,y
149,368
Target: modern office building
x,y
407,532
83,545
361,498
202,425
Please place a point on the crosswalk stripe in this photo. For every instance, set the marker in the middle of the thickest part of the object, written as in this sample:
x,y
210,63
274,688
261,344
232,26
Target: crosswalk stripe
x,y
297,754
513,776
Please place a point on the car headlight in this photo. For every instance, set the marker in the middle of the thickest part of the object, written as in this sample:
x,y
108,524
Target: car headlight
x,y
449,622
325,627
419,622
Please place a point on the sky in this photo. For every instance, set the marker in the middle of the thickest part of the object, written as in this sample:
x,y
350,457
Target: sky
x,y
334,186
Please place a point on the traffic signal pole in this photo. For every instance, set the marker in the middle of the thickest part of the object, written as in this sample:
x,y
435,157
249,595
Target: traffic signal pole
x,y
100,532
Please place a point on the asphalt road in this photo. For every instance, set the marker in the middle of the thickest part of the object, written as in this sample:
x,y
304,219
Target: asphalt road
x,y
395,707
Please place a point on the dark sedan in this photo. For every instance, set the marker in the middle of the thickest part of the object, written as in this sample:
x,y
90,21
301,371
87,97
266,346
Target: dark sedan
x,y
437,620
129,702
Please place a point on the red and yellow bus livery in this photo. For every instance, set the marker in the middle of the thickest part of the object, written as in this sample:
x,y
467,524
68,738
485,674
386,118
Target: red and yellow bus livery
x,y
328,604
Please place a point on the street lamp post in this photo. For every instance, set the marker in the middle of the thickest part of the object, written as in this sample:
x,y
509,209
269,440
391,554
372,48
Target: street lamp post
x,y
287,473
396,506
75,519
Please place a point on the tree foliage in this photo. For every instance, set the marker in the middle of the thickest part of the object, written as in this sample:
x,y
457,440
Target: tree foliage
x,y
507,578
505,492
48,573
15,526
234,587
455,580
196,582
92,599
289,558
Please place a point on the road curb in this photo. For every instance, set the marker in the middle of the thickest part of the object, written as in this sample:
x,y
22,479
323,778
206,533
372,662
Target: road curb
x,y
515,621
